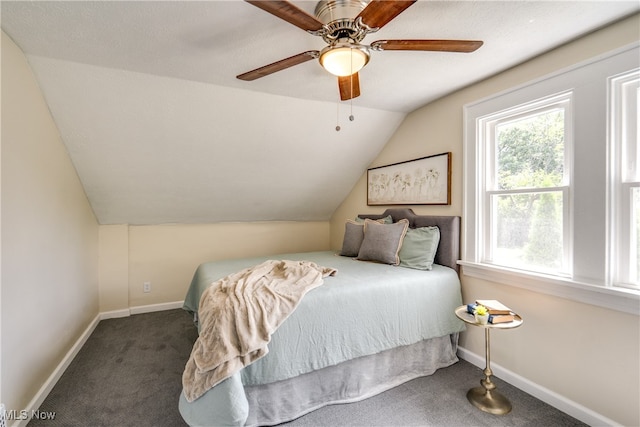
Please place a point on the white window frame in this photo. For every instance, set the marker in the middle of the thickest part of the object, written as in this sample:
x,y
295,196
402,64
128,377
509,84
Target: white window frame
x,y
624,173
486,126
588,279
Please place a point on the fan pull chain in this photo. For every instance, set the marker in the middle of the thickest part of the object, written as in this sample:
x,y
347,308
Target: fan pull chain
x,y
351,118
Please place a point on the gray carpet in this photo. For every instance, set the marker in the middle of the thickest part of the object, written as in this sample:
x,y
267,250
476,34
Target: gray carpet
x,y
129,374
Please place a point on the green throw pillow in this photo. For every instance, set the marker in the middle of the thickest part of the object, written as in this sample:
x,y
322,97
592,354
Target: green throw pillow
x,y
386,220
419,248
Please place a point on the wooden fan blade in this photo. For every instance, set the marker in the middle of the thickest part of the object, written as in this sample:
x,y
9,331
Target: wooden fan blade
x,y
290,13
429,45
349,87
378,13
279,66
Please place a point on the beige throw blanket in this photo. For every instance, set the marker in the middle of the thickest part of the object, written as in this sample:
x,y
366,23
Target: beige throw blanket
x,y
239,313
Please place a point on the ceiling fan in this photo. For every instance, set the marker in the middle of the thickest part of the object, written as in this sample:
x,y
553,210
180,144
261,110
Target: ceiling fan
x,y
343,24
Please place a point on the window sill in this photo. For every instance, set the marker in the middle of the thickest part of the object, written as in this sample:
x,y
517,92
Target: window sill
x,y
619,299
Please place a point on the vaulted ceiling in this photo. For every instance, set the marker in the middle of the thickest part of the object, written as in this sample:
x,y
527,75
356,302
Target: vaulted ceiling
x,y
159,129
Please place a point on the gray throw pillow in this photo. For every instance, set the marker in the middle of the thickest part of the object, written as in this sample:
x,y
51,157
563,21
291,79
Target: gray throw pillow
x,y
354,233
382,242
353,236
419,248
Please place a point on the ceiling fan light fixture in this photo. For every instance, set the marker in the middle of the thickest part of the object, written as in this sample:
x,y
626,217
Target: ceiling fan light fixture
x,y
344,59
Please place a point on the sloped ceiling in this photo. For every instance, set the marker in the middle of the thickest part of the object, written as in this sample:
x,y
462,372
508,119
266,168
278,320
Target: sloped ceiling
x,y
160,130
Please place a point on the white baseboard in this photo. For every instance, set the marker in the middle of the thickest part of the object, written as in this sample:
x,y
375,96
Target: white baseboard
x,y
126,312
552,398
46,388
156,307
115,314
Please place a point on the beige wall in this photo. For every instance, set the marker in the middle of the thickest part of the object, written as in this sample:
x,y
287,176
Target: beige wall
x,y
587,354
168,255
114,267
49,239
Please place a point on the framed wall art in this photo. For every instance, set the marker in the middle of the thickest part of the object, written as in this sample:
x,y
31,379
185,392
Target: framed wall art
x,y
423,181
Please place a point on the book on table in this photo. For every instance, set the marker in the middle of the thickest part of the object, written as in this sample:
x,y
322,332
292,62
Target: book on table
x,y
501,318
494,306
493,318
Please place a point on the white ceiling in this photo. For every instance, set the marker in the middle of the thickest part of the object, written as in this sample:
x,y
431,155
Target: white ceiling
x,y
160,130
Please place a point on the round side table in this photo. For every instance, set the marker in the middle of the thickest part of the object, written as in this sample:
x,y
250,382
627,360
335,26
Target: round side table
x,y
487,398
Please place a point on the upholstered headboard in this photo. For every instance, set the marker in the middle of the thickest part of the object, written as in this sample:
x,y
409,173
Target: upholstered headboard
x,y
448,252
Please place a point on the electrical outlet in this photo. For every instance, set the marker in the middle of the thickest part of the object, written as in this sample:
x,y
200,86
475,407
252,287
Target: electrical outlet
x,y
146,287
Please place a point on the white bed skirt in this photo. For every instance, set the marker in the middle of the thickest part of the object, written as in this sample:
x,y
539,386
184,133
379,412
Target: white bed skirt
x,y
350,381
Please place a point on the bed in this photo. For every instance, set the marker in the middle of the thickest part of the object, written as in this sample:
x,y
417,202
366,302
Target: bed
x,y
371,327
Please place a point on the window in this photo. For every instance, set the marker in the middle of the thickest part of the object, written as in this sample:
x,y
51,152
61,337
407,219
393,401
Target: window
x,y
625,178
525,198
552,184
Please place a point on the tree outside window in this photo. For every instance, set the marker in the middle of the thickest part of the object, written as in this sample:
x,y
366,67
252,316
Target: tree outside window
x,y
527,190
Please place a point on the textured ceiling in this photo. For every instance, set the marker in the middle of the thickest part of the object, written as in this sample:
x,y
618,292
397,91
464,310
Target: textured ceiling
x,y
160,130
